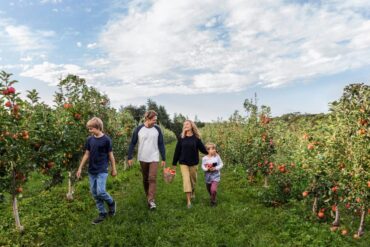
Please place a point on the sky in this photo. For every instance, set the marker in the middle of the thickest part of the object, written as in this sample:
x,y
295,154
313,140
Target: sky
x,y
199,58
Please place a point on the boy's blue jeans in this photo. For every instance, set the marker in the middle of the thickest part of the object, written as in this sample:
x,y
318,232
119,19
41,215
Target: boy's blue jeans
x,y
97,188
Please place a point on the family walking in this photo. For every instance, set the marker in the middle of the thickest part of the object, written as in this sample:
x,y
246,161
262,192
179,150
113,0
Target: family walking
x,y
151,150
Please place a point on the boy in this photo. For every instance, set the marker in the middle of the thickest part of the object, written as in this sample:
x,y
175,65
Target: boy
x,y
99,152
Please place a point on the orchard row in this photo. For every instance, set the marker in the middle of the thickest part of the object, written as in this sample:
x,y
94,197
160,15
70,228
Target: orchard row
x,y
323,159
49,139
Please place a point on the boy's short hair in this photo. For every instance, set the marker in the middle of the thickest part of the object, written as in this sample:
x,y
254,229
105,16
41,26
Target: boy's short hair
x,y
150,114
210,145
96,123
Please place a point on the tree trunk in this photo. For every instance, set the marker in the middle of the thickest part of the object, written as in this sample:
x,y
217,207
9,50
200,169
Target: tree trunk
x,y
70,190
266,182
314,206
125,164
336,221
360,230
16,215
15,202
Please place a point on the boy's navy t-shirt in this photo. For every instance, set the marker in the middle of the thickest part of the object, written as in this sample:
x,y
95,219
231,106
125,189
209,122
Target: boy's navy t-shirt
x,y
99,149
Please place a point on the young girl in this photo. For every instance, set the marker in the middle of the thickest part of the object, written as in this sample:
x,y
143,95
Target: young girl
x,y
212,164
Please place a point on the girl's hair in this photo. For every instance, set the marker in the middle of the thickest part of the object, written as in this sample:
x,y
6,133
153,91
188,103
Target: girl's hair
x,y
96,123
149,115
193,128
210,145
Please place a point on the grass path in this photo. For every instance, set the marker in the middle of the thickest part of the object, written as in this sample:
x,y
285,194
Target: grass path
x,y
238,220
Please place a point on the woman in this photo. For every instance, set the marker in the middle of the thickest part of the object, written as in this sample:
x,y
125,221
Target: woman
x,y
187,154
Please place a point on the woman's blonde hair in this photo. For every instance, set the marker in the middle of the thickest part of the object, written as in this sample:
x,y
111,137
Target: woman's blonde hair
x,y
194,129
96,123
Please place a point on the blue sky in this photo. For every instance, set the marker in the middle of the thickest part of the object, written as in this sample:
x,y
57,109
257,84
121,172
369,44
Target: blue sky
x,y
194,57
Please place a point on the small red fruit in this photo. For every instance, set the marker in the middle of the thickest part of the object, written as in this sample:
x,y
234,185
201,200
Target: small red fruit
x,y
321,214
305,193
11,90
19,189
77,116
8,104
50,164
310,146
344,232
368,184
67,105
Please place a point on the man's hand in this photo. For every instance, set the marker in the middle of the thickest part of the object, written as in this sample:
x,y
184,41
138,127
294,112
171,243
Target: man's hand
x,y
163,163
114,172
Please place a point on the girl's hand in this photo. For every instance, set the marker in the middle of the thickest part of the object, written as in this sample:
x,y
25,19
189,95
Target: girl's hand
x,y
114,172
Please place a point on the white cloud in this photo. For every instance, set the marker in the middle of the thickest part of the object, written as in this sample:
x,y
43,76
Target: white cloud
x,y
101,62
26,59
191,46
79,44
91,45
52,73
21,38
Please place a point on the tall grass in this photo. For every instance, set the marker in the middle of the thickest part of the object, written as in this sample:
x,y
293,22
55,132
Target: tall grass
x,y
238,220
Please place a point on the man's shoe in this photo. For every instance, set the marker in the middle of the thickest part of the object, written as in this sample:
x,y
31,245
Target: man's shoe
x,y
152,205
100,219
112,208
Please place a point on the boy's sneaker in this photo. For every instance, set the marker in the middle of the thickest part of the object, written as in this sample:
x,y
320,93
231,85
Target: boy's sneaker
x,y
152,205
100,219
112,208
213,203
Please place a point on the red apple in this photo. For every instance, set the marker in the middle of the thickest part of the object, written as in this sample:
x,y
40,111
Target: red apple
x,y
11,90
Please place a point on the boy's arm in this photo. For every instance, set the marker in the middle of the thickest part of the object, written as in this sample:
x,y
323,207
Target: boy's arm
x,y
83,161
113,163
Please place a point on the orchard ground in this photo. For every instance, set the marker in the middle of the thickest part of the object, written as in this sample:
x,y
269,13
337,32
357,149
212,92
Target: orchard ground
x,y
240,219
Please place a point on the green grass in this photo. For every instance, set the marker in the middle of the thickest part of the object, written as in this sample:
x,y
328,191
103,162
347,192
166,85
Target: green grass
x,y
238,220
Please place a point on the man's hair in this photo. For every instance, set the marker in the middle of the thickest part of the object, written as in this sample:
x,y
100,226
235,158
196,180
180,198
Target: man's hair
x,y
96,123
150,114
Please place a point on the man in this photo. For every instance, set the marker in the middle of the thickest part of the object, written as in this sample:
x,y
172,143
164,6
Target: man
x,y
151,144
